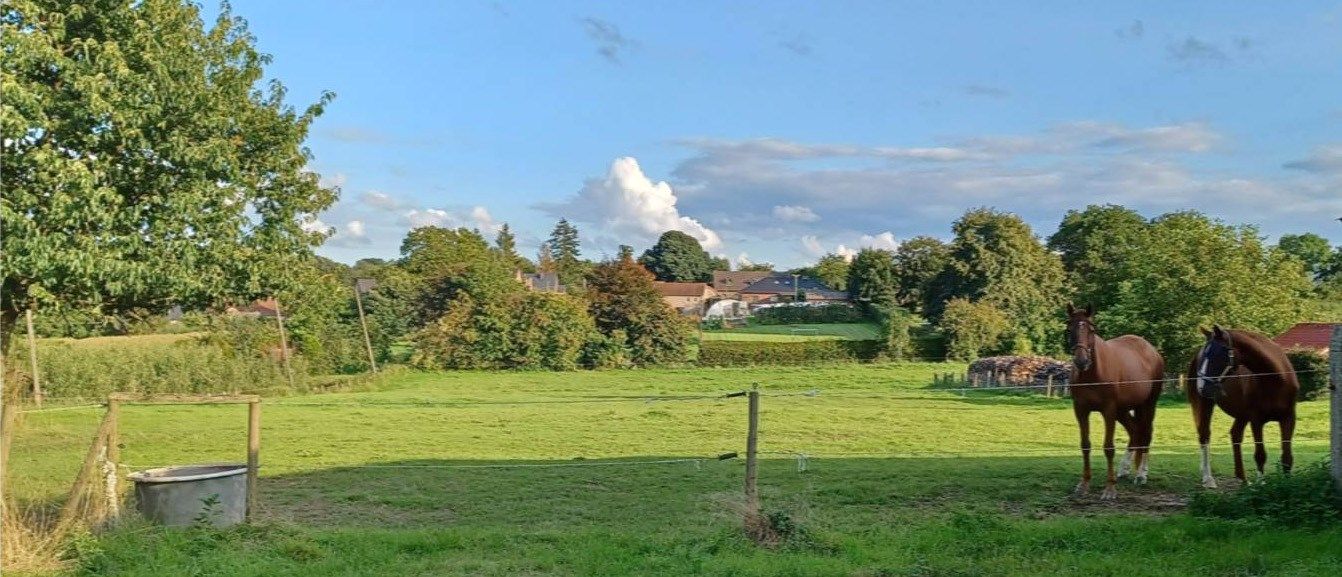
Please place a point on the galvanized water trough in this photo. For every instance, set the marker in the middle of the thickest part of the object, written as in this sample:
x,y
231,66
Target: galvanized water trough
x,y
215,494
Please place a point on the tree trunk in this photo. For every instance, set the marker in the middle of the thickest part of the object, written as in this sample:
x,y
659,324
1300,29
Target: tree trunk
x,y
9,406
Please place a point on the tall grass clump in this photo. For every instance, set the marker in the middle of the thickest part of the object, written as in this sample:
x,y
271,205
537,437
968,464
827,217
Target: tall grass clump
x,y
1307,498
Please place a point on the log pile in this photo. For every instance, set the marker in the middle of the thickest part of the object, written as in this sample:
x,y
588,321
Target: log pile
x,y
1006,371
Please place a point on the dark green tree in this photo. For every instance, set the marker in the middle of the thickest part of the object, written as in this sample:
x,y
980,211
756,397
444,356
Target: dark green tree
x,y
506,243
918,261
871,278
996,258
446,262
831,269
1096,245
565,253
678,257
147,161
625,304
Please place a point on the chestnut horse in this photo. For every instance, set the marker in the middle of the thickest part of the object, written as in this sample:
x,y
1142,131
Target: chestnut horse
x,y
1121,379
1252,380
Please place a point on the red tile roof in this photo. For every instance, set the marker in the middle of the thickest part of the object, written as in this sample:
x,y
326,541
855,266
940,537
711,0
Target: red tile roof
x,y
681,289
1307,335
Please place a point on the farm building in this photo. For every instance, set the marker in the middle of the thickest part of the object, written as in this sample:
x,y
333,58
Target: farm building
x,y
688,298
728,283
780,287
267,308
544,282
1314,336
727,309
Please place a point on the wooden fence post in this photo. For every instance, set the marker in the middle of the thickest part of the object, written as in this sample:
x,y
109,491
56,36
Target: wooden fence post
x,y
253,453
284,343
1335,404
367,342
1048,387
32,358
752,443
113,452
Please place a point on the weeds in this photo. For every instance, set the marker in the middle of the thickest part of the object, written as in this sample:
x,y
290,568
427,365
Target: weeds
x,y
1306,498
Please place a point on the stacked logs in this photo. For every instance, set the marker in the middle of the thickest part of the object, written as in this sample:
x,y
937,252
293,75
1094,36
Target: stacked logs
x,y
1007,371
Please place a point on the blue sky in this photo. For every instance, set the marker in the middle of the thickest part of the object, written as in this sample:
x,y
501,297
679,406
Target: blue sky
x,y
782,130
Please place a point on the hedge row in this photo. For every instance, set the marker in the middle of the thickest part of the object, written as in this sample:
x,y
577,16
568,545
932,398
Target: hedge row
x,y
747,353
807,314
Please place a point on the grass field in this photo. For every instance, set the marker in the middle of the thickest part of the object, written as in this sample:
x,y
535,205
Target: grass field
x,y
800,332
900,480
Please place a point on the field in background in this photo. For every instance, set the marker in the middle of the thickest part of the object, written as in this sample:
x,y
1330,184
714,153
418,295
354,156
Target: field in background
x,y
797,332
900,480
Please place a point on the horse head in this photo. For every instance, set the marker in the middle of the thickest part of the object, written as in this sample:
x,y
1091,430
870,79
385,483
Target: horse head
x,y
1215,362
1081,336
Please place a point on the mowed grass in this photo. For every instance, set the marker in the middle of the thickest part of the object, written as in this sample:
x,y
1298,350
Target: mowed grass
x,y
797,332
899,480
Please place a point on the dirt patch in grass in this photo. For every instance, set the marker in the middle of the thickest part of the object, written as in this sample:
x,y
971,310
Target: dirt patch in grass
x,y
1131,501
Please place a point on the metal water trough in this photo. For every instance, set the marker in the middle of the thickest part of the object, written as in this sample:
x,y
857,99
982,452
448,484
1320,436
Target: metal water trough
x,y
188,494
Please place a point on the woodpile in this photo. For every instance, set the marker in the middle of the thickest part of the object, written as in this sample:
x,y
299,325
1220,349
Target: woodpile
x,y
1006,371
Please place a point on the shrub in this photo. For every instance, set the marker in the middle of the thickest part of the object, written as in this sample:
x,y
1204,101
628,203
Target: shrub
x,y
806,314
1311,369
1306,498
895,323
972,328
518,331
746,353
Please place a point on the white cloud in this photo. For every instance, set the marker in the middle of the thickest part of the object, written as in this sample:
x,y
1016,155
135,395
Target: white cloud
x,y
312,224
428,217
629,204
355,229
1322,160
813,247
743,259
379,200
883,241
483,221
795,214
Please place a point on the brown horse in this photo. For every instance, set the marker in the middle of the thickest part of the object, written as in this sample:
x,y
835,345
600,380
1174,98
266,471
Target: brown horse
x,y
1252,380
1121,379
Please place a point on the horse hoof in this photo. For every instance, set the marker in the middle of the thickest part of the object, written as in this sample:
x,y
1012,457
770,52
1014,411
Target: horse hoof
x,y
1139,480
1081,489
1110,493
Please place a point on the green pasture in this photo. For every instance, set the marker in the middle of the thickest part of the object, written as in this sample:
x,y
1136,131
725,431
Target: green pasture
x,y
797,332
900,480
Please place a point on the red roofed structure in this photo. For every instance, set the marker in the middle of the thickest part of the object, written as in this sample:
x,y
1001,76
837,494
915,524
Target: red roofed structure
x,y
1307,336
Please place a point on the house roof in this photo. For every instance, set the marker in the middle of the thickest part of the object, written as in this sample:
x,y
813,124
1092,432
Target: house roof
x,y
735,280
681,289
781,284
1307,335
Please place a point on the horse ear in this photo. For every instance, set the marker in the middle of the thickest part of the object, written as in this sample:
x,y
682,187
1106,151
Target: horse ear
x,y
1090,310
1071,309
1205,332
1219,332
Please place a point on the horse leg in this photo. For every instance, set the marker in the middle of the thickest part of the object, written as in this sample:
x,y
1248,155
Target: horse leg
x,y
1259,450
1146,424
1083,422
1202,418
1236,441
1134,433
1287,431
1110,485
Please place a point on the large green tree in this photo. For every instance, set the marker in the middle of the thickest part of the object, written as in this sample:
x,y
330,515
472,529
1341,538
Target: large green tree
x,y
627,307
996,258
506,243
1096,245
831,269
871,278
565,253
678,257
918,261
147,161
444,263
1310,249
1194,271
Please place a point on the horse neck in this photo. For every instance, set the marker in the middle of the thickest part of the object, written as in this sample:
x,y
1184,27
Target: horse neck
x,y
1099,352
1252,357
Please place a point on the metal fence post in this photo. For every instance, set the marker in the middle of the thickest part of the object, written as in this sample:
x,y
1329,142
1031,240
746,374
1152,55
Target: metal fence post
x,y
1335,404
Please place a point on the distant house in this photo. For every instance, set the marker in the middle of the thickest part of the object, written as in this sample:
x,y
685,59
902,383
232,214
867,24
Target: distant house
x,y
1307,336
780,287
688,298
728,283
544,282
260,308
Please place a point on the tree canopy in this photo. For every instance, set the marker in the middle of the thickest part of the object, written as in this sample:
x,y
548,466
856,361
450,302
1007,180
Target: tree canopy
x,y
678,257
628,309
831,269
871,277
918,261
145,163
564,253
1312,250
1095,245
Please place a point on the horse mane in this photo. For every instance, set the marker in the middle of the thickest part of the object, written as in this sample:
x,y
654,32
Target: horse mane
x,y
1260,354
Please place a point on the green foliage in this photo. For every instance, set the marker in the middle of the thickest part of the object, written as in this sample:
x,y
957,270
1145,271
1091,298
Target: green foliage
x,y
973,329
506,243
754,266
678,257
996,258
806,314
752,353
519,331
831,269
446,263
1306,498
144,163
1312,250
896,323
1311,369
565,253
1193,272
917,262
623,298
1096,245
871,278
